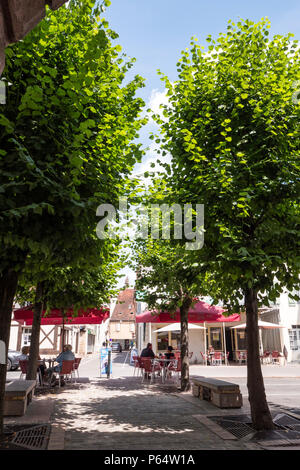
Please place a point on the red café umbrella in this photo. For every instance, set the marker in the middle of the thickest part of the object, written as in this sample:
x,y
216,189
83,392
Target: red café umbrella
x,y
201,312
91,316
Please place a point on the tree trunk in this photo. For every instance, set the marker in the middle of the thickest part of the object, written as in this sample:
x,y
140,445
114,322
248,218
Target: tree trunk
x,y
35,332
260,413
8,287
184,341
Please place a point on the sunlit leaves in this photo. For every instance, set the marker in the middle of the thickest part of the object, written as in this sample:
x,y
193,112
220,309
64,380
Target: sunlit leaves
x,y
232,103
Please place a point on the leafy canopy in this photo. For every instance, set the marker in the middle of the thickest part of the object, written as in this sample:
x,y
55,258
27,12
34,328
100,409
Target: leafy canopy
x,y
232,129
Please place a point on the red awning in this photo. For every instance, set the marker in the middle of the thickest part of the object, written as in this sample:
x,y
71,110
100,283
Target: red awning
x,y
91,316
200,313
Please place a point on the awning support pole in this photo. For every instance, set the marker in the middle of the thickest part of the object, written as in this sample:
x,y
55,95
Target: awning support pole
x,y
205,345
224,338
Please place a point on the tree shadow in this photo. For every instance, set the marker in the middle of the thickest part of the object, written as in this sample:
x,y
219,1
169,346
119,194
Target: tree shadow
x,y
125,414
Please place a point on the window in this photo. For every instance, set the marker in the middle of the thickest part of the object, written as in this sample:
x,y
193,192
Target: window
x,y
175,340
26,336
162,341
294,335
118,326
241,340
216,338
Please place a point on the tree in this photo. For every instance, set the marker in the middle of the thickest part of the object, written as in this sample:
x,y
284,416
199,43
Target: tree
x,y
66,143
65,288
233,132
167,280
88,283
166,283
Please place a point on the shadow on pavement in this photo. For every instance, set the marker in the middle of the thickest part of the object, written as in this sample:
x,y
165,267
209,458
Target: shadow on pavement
x,y
125,414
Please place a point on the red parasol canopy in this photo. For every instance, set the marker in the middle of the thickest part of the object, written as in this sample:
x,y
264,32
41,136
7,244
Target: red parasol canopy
x,y
91,316
201,312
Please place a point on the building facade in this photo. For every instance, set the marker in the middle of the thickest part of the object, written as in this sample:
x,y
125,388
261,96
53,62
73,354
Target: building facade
x,y
220,336
122,326
289,316
286,313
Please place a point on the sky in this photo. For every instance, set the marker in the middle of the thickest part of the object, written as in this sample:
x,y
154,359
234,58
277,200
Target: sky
x,y
155,32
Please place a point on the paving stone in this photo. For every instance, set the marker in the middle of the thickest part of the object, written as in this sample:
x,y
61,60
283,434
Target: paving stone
x,y
116,414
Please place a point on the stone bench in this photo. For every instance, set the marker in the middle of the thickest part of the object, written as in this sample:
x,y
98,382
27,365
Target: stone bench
x,y
18,395
218,392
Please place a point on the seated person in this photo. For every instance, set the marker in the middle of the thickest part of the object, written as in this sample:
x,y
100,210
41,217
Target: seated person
x,y
42,368
25,357
170,354
66,355
25,354
148,352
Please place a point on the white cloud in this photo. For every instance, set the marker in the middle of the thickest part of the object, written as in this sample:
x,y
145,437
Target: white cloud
x,y
156,99
150,158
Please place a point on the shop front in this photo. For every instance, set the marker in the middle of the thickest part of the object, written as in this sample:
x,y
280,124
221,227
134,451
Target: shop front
x,y
215,331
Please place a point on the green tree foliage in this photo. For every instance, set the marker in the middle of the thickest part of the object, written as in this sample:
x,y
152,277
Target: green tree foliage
x,y
232,129
74,286
66,144
166,278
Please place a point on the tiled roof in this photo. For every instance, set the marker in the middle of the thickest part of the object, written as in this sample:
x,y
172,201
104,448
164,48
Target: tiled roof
x,y
125,308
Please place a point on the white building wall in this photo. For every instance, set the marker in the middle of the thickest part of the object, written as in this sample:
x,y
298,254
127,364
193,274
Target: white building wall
x,y
290,315
196,345
47,339
196,340
101,334
13,338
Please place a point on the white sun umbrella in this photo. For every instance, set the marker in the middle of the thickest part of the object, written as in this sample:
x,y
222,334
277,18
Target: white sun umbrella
x,y
261,325
176,327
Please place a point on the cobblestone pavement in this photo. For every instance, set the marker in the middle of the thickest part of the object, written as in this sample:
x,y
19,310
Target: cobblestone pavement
x,y
123,414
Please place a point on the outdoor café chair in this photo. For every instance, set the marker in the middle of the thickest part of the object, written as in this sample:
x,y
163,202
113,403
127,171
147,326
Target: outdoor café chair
x,y
137,365
76,366
177,354
24,367
242,355
174,366
203,357
275,357
146,367
217,359
66,371
266,357
150,366
226,358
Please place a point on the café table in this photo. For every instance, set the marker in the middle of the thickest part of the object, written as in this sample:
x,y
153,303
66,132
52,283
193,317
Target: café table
x,y
51,361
